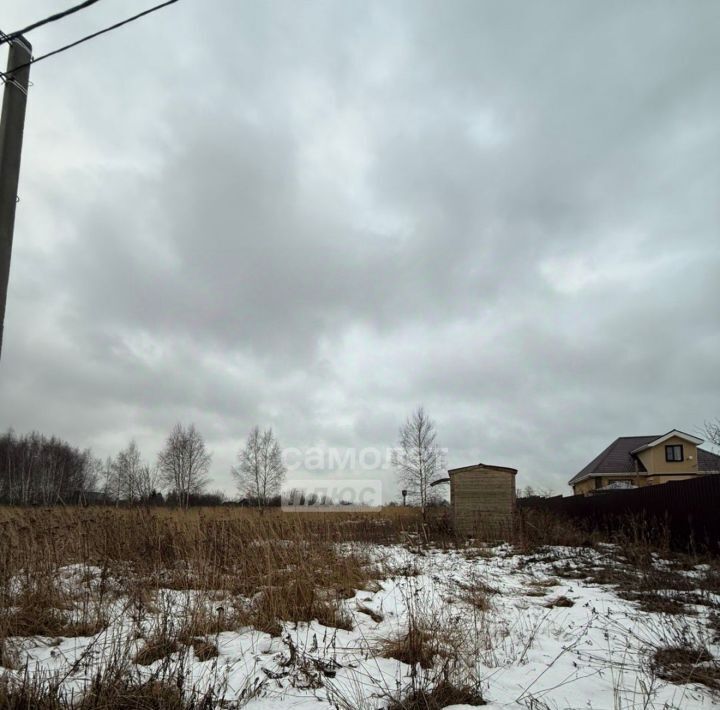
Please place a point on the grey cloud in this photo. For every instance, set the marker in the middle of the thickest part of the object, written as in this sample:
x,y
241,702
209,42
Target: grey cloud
x,y
316,216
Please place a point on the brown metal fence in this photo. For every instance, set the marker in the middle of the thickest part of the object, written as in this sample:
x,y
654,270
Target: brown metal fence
x,y
690,509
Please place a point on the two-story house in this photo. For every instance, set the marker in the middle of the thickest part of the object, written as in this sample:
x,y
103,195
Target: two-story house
x,y
645,461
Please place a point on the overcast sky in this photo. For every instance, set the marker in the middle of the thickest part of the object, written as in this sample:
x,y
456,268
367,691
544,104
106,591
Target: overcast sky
x,y
317,215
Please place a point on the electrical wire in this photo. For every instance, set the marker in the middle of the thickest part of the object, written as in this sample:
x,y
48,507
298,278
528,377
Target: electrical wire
x,y
5,75
53,18
4,38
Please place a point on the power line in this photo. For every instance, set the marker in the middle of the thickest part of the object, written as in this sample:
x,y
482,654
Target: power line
x,y
17,84
5,75
53,18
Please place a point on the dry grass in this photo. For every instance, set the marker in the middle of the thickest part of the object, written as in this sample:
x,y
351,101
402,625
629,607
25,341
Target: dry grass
x,y
288,564
109,690
426,640
536,528
204,650
61,570
416,646
156,649
438,697
642,568
714,624
685,664
182,577
477,595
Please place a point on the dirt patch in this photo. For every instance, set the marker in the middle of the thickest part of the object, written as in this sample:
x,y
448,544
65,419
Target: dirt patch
x,y
156,649
568,571
684,664
655,603
561,601
377,617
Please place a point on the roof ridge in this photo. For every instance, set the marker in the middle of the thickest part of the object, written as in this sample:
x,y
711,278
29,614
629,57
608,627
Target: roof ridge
x,y
644,436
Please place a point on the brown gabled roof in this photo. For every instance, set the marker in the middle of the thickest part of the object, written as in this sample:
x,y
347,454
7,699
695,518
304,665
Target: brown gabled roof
x,y
616,458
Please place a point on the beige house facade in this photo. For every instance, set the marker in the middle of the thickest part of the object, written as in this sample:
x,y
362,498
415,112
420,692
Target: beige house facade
x,y
635,461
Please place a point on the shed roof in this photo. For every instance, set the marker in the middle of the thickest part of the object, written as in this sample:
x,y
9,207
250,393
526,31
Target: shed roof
x,y
483,466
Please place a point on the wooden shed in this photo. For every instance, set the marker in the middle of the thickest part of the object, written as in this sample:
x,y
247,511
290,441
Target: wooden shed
x,y
482,499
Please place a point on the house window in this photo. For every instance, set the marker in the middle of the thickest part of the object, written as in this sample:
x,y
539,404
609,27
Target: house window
x,y
674,452
598,482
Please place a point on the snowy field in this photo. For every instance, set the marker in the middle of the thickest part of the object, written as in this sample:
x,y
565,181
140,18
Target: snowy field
x,y
533,631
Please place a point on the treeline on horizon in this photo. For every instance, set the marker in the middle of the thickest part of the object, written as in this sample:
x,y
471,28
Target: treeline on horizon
x,y
39,470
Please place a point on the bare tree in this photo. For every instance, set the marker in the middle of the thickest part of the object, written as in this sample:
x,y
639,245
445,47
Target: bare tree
x,y
260,471
418,459
184,462
37,469
128,478
126,473
712,432
148,480
111,488
93,472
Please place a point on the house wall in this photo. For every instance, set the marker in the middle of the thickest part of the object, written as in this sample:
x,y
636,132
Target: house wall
x,y
647,458
658,464
580,489
589,485
658,469
482,500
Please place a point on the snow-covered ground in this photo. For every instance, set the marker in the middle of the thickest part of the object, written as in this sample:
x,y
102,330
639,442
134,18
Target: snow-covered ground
x,y
490,614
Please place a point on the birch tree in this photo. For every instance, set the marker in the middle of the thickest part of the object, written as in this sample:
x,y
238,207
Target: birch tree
x,y
127,470
260,471
184,463
418,458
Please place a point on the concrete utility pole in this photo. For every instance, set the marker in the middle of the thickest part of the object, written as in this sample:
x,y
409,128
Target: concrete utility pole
x,y
11,135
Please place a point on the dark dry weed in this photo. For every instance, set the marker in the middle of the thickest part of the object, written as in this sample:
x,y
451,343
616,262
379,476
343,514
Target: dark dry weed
x,y
156,649
203,650
296,600
376,616
114,688
561,601
414,647
685,664
476,592
441,696
714,624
